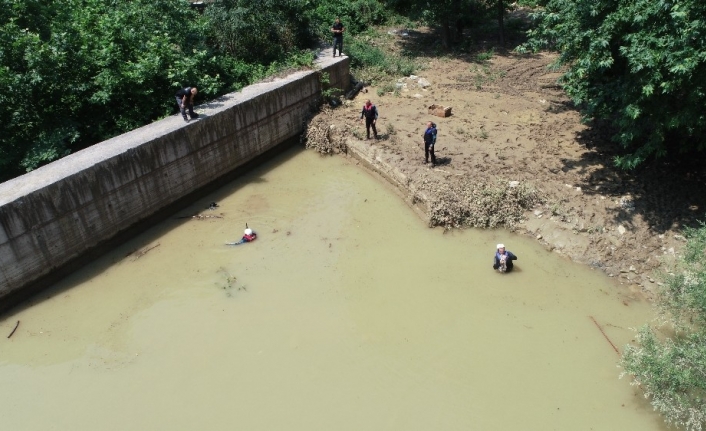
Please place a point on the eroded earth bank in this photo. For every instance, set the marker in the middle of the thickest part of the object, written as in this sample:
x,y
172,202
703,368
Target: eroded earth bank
x,y
515,153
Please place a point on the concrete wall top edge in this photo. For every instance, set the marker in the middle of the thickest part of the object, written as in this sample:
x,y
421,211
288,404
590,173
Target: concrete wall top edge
x,y
51,173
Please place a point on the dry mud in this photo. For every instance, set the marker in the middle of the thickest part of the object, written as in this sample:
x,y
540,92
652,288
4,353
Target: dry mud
x,y
515,153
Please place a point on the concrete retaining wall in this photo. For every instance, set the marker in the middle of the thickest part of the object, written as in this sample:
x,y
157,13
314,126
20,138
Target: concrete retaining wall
x,y
63,211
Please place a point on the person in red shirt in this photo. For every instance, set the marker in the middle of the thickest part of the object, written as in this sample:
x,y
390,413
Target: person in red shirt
x,y
370,114
248,236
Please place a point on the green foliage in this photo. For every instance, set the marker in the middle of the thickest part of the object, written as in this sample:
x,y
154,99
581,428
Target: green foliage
x,y
530,3
259,31
374,64
356,15
328,93
683,296
485,56
77,72
451,17
672,369
639,64
671,373
81,71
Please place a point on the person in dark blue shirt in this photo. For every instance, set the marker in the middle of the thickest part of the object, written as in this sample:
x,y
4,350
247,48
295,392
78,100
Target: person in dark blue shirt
x,y
429,141
503,259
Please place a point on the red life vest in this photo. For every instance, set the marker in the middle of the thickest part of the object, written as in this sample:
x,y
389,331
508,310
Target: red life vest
x,y
249,238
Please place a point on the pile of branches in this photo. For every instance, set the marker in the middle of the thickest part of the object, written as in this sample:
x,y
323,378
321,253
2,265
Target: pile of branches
x,y
322,136
472,203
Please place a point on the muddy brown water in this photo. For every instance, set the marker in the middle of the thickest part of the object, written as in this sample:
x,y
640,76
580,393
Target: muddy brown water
x,y
347,313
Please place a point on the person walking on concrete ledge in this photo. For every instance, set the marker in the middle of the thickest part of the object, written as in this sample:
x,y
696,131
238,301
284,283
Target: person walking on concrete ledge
x,y
185,100
337,29
370,113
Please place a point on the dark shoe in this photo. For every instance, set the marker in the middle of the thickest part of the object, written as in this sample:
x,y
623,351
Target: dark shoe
x,y
194,115
185,118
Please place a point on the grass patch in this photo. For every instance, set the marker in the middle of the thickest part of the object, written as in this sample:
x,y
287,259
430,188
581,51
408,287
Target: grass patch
x,y
386,89
484,75
373,60
485,56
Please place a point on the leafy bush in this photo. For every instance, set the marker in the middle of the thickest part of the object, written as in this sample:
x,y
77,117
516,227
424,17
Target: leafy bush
x,y
82,71
259,31
638,64
77,72
672,369
356,15
373,64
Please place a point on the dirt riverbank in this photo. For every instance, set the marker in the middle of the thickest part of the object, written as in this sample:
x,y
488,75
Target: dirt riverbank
x,y
512,122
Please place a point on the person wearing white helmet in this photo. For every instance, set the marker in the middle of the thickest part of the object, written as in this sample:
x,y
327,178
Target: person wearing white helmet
x,y
503,259
248,236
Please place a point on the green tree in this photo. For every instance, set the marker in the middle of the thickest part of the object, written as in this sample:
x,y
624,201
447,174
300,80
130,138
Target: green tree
x,y
671,369
636,63
356,15
76,72
259,31
81,71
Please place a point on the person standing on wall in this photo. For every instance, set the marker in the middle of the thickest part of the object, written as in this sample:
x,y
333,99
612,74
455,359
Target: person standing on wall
x,y
185,100
429,142
370,113
337,29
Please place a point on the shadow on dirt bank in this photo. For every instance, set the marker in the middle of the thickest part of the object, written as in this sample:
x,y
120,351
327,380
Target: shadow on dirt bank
x,y
669,192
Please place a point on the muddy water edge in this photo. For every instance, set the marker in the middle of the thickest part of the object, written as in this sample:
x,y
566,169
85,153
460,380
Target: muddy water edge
x,y
347,313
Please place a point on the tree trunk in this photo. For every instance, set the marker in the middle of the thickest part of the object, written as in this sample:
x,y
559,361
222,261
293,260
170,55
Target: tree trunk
x,y
446,34
458,27
501,21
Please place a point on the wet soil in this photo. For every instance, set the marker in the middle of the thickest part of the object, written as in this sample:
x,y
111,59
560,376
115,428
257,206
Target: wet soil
x,y
512,122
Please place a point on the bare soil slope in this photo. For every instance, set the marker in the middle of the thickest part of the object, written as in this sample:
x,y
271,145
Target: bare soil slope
x,y
511,121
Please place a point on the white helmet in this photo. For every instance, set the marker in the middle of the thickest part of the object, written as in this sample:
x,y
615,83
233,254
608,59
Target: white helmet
x,y
248,231
500,246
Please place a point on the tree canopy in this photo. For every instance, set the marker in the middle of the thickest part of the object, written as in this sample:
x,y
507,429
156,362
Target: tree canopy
x,y
76,72
637,63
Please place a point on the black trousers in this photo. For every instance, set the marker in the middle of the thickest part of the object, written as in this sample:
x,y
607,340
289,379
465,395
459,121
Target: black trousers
x,y
370,122
189,107
338,42
429,149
